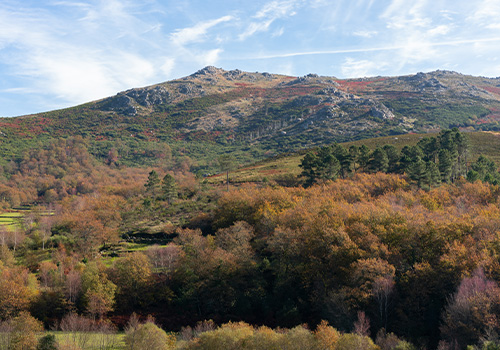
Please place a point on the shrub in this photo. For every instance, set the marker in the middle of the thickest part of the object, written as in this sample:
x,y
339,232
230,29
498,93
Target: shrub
x,y
24,332
47,342
149,336
326,336
355,342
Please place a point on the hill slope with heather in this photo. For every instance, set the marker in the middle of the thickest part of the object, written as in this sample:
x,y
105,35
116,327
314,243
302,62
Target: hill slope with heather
x,y
254,115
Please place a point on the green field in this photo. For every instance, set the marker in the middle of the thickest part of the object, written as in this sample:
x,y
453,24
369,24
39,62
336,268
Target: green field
x,y
91,340
10,220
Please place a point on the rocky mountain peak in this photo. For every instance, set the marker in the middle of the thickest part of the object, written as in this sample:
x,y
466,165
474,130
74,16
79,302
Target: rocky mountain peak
x,y
208,70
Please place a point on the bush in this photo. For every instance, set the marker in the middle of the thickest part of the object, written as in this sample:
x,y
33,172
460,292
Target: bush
x,y
24,332
230,336
47,342
149,336
355,342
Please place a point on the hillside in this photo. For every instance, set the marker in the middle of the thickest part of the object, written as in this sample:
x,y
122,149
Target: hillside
x,y
105,220
286,166
256,115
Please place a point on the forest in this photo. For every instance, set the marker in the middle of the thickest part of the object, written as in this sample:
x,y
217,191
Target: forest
x,y
367,249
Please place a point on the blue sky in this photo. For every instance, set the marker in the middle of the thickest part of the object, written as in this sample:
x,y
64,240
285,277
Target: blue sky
x,y
60,53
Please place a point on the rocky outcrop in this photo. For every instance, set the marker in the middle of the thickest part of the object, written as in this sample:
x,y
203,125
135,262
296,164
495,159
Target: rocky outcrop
x,y
127,102
208,71
120,103
382,112
148,97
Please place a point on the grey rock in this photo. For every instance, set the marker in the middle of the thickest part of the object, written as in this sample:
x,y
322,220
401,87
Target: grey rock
x,y
120,103
149,96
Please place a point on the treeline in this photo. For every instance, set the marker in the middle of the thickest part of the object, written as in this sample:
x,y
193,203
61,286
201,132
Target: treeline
x,y
434,160
422,265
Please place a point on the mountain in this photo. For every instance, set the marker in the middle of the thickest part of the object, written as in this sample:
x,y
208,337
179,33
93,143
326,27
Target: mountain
x,y
254,115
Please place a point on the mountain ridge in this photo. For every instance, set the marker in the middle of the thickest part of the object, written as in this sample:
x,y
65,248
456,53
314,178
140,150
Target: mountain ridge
x,y
218,111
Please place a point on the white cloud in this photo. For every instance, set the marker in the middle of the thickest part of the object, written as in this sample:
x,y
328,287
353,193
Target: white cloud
x,y
486,11
352,68
255,27
73,78
78,61
269,13
197,32
439,30
277,9
167,66
365,33
278,32
210,58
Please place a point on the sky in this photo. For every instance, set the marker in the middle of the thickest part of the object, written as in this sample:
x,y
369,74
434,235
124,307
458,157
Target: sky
x,y
61,53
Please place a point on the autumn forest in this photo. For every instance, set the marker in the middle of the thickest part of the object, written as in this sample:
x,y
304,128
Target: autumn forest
x,y
365,249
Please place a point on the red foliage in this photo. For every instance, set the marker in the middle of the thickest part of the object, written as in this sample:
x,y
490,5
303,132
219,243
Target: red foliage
x,y
492,89
357,85
243,84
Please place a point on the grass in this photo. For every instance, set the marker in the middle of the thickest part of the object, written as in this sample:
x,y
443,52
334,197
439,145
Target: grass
x,y
91,341
10,219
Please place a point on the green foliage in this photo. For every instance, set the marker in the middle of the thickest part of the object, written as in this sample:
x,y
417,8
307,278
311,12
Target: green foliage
x,y
321,166
47,342
153,184
169,188
485,170
431,161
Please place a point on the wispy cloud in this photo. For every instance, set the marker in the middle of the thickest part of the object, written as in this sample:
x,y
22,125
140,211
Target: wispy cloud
x,y
360,68
374,49
69,52
82,54
486,14
365,33
268,14
196,33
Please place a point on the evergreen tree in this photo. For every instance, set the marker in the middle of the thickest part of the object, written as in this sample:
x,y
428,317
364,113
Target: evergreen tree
x,y
461,145
445,165
153,184
379,161
345,160
321,166
169,188
329,165
393,158
432,177
430,149
418,171
409,155
364,157
354,153
309,167
484,169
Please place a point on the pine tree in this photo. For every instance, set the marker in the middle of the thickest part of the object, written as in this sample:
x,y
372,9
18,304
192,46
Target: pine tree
x,y
345,159
433,177
169,188
309,167
364,157
418,171
379,161
445,165
393,157
153,184
354,153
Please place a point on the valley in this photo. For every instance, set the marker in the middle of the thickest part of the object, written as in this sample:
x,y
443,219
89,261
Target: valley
x,y
362,210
